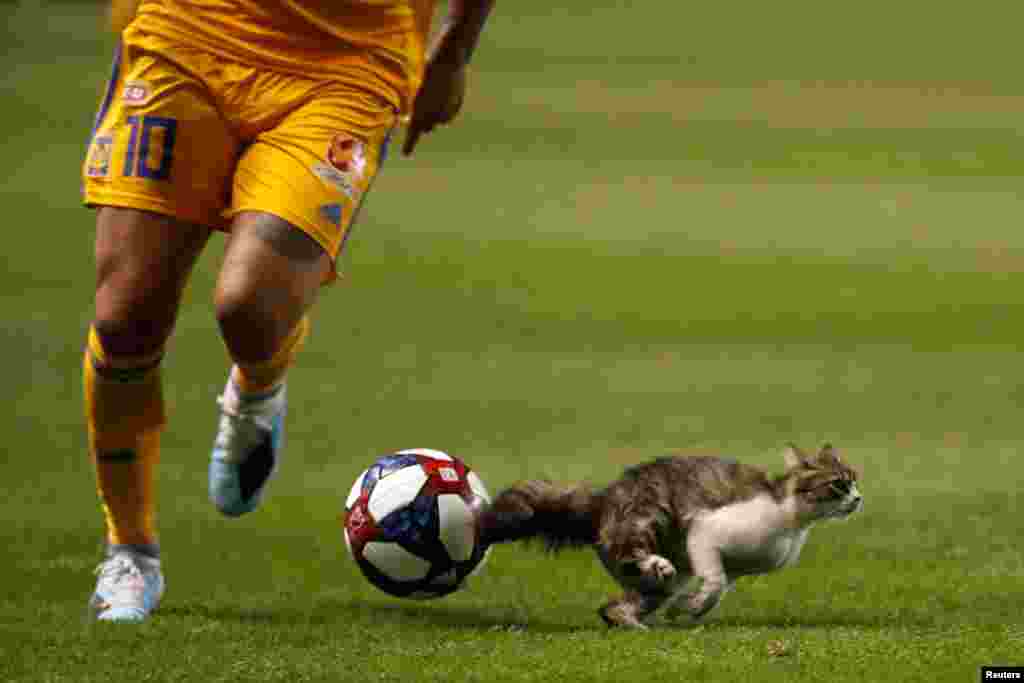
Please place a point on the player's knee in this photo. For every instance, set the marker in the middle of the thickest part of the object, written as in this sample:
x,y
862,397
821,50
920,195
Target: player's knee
x,y
239,307
127,337
132,319
249,321
142,262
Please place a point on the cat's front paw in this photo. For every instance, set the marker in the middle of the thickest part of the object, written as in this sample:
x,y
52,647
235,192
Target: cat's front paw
x,y
657,567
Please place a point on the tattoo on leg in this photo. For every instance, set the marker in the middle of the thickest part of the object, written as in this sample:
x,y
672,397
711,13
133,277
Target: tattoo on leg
x,y
283,237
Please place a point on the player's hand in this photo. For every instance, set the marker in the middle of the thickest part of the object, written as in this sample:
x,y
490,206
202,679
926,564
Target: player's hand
x,y
438,101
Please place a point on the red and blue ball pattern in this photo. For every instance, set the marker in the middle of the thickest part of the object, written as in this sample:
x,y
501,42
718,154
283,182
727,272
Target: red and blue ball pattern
x,y
412,523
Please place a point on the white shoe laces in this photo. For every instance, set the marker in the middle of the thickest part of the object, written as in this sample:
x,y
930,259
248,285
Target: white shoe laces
x,y
120,579
242,427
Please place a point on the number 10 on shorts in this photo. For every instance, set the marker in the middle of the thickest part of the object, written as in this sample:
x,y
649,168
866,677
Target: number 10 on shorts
x,y
150,147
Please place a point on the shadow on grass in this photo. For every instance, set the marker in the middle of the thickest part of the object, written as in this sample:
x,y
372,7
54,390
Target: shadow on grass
x,y
811,621
326,612
512,619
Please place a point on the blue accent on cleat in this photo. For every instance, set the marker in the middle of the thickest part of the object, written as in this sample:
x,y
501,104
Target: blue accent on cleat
x,y
129,587
247,450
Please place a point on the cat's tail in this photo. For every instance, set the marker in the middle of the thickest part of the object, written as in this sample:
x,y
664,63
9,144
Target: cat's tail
x,y
561,516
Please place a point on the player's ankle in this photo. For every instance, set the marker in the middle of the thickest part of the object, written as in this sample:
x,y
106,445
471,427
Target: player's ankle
x,y
149,549
247,389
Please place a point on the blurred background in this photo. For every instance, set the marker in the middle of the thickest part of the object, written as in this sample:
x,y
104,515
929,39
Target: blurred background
x,y
657,227
652,228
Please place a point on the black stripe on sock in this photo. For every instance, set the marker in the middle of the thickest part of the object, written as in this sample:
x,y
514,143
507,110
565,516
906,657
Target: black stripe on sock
x,y
121,455
122,374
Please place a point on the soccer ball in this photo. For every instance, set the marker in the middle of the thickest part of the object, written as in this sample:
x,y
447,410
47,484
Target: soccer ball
x,y
411,523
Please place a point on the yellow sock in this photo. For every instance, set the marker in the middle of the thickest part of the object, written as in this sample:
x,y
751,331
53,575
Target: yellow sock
x,y
259,378
124,413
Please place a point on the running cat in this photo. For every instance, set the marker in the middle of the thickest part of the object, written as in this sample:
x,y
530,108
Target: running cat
x,y
675,518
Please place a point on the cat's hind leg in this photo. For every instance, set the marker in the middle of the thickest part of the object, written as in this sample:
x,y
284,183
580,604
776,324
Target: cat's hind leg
x,y
649,580
632,609
629,550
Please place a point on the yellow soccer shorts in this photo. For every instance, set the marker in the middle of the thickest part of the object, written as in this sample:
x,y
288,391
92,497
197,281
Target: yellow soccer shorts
x,y
187,134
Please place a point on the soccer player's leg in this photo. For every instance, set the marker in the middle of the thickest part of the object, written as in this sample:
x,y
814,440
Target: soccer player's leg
x,y
269,278
158,186
143,260
297,190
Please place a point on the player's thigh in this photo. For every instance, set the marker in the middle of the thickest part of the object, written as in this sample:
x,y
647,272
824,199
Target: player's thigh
x,y
316,166
143,261
160,142
270,273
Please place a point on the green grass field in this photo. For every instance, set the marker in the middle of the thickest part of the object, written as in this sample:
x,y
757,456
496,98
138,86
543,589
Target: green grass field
x,y
655,230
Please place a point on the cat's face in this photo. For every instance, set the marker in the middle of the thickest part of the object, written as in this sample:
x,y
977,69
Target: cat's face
x,y
823,486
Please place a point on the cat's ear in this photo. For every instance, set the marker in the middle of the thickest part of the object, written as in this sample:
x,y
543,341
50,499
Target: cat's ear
x,y
794,457
829,455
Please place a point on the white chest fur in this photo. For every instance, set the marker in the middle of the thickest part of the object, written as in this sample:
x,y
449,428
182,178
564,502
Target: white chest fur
x,y
752,537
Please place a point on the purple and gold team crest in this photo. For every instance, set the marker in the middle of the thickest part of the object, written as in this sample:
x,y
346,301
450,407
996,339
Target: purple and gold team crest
x,y
98,163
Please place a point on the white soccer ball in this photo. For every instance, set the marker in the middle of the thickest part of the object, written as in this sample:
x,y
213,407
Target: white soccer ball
x,y
412,523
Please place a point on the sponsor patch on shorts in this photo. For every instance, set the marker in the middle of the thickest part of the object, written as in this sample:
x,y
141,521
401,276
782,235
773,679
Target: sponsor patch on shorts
x,y
98,163
136,93
336,179
347,154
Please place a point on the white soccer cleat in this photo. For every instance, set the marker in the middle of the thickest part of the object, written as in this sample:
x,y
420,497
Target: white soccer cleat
x,y
129,587
247,448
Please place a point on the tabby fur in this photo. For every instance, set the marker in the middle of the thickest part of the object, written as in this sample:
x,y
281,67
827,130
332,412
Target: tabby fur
x,y
677,518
